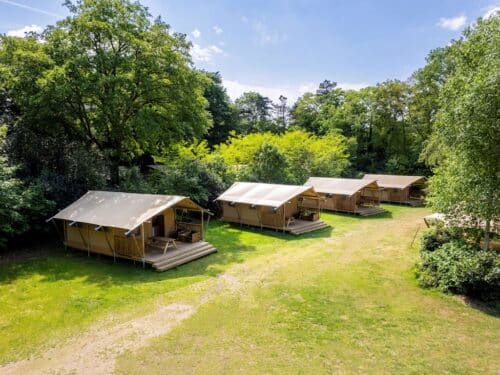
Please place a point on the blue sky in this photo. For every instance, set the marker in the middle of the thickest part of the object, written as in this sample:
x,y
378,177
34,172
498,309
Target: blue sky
x,y
288,47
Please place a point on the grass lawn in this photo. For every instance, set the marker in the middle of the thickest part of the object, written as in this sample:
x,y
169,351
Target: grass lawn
x,y
337,300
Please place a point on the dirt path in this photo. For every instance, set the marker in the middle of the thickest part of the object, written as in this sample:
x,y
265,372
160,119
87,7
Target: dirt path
x,y
95,350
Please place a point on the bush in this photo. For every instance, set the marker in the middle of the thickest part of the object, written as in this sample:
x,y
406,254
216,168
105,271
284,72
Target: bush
x,y
201,180
459,267
436,237
23,208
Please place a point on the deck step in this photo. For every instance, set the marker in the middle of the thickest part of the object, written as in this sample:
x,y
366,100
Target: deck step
x,y
187,257
309,228
168,258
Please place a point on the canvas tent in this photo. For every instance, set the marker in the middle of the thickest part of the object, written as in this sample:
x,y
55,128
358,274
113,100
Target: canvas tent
x,y
400,189
156,229
280,207
361,197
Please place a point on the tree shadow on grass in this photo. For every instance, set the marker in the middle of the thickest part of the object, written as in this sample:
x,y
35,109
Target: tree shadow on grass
x,y
490,308
55,263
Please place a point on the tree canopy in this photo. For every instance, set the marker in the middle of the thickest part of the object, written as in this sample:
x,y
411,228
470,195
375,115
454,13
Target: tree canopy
x,y
466,134
109,76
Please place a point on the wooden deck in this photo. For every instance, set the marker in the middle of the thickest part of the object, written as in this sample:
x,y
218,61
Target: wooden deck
x,y
303,226
369,210
173,257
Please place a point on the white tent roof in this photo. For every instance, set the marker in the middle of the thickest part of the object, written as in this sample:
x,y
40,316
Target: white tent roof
x,y
339,186
393,181
120,210
260,194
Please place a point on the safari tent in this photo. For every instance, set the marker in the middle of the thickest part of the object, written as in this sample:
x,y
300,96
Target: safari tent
x,y
400,189
290,208
356,196
162,230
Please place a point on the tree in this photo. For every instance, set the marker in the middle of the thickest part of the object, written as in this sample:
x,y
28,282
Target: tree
x,y
224,115
254,112
22,207
281,113
464,144
269,164
109,76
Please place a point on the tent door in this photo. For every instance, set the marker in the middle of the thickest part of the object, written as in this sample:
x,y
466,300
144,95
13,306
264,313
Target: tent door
x,y
158,226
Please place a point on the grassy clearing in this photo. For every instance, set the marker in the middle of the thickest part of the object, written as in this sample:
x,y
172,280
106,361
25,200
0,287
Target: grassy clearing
x,y
51,297
335,300
346,304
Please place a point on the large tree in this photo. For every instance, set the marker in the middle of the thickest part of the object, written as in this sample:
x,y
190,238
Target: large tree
x,y
109,76
254,112
224,114
466,134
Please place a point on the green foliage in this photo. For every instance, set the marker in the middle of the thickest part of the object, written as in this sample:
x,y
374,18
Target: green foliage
x,y
458,267
132,181
464,143
388,138
254,112
224,114
192,171
268,164
23,208
304,155
110,77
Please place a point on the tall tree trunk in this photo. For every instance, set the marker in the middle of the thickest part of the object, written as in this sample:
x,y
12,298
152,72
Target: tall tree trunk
x,y
114,172
486,241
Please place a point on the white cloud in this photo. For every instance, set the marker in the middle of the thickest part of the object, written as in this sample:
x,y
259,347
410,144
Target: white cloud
x,y
23,31
235,89
205,54
218,30
265,35
453,23
491,11
196,33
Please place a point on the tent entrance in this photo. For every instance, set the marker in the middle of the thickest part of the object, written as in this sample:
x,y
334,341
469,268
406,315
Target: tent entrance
x,y
158,226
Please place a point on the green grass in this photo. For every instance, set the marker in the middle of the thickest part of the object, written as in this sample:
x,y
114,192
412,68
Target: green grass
x,y
337,300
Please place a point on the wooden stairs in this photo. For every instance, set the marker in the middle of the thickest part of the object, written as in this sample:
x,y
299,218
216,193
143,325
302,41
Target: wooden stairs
x,y
173,257
306,226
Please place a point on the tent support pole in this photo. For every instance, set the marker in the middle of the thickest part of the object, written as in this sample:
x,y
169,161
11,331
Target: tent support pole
x,y
82,237
143,246
284,218
109,245
202,227
88,238
58,232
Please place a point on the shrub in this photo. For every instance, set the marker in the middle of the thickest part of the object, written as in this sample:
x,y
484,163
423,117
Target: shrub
x,y
459,267
436,237
23,208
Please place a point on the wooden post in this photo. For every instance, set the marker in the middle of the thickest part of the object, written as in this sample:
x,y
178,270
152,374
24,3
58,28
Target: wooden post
x,y
88,240
284,218
202,227
65,229
109,244
144,246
